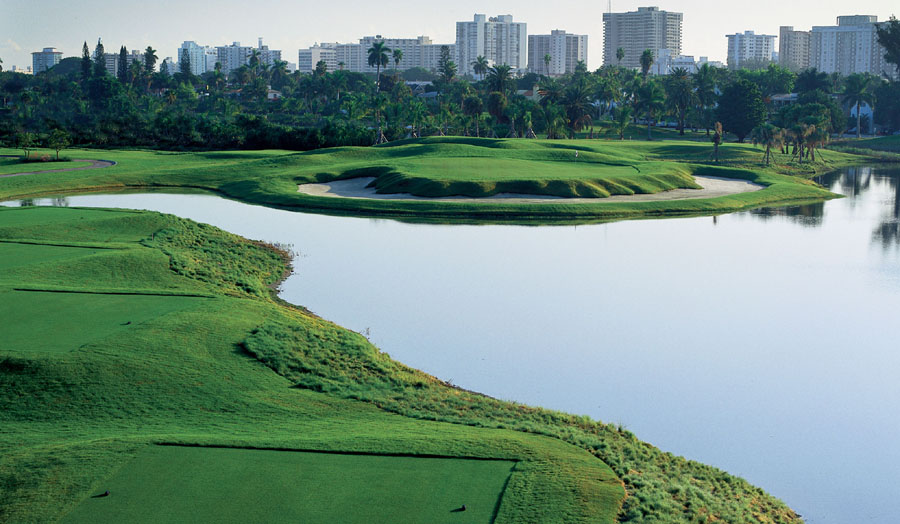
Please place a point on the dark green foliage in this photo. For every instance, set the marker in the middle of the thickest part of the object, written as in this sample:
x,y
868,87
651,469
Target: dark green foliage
x,y
122,67
889,39
741,108
86,64
99,60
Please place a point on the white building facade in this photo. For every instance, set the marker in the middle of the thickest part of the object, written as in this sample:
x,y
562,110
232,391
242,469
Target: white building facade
x,y
749,47
203,58
636,31
565,51
849,47
499,39
235,55
417,52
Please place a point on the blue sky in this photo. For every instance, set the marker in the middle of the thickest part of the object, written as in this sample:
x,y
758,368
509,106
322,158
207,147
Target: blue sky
x,y
29,25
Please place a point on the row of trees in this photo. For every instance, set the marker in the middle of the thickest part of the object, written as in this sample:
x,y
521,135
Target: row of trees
x,y
217,110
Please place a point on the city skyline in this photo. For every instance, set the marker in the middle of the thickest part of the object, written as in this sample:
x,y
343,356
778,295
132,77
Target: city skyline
x,y
165,27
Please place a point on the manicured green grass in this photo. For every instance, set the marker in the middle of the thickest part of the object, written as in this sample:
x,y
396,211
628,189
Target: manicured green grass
x,y
83,395
883,143
13,254
443,166
201,484
67,321
9,166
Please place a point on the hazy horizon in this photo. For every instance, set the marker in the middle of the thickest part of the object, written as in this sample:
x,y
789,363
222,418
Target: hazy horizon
x,y
290,26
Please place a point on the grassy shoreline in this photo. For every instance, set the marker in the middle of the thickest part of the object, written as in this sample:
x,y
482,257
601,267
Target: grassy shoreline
x,y
271,177
244,369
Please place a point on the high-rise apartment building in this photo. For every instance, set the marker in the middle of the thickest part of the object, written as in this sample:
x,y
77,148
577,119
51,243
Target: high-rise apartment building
x,y
44,60
564,49
749,47
636,31
417,52
849,47
498,39
793,48
235,55
203,58
308,58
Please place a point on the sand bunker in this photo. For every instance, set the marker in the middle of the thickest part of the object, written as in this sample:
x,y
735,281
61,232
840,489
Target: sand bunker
x,y
356,188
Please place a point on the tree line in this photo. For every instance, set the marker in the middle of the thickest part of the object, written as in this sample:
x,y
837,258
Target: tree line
x,y
262,105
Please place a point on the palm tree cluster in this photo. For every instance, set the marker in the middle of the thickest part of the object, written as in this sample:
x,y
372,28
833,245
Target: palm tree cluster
x,y
237,108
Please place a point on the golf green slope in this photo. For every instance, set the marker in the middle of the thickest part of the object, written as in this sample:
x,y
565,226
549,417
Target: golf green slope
x,y
214,361
457,166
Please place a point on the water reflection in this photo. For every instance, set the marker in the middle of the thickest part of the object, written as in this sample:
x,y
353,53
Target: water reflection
x,y
865,188
759,342
809,215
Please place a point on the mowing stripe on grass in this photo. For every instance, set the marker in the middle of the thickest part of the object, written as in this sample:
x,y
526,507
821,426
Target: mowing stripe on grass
x,y
59,322
225,485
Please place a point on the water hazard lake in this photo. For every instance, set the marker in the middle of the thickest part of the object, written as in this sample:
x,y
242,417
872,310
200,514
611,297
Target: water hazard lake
x,y
762,342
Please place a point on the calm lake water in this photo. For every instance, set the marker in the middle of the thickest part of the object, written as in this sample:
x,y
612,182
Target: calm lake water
x,y
763,342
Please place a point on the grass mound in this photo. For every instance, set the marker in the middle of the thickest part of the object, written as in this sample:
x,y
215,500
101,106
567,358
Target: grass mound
x,y
474,167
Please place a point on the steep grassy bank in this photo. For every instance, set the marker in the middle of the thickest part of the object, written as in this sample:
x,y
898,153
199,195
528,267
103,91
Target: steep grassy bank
x,y
225,364
468,166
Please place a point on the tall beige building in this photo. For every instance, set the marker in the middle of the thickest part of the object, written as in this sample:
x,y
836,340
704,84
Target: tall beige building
x,y
849,47
497,38
793,48
565,51
635,31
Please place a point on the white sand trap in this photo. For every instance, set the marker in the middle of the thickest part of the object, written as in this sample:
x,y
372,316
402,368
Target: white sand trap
x,y
356,188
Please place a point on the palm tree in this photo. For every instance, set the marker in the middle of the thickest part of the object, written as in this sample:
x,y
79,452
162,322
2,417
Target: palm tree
x,y
680,94
1,67
480,66
378,57
646,62
547,60
608,91
623,118
472,106
577,101
499,78
150,59
496,106
705,90
857,91
769,136
135,71
810,80
650,100
341,65
620,54
398,56
556,121
717,139
551,91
